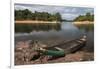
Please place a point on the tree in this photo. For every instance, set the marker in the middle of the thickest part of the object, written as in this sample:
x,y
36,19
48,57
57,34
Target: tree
x,y
44,16
58,16
87,17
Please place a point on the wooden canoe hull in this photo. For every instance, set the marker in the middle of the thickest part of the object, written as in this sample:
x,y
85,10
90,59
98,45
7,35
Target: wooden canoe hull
x,y
71,46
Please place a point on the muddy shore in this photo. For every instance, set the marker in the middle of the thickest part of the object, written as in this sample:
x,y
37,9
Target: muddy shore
x,y
24,55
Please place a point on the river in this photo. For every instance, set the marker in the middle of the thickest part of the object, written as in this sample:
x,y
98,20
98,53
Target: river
x,y
54,33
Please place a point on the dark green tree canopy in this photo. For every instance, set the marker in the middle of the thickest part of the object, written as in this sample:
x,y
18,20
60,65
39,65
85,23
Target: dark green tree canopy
x,y
87,17
28,15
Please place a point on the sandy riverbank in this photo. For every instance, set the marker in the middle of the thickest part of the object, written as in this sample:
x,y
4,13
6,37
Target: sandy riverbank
x,y
83,22
32,21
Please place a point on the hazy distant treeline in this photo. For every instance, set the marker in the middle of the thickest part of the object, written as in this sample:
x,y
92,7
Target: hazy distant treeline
x,y
44,16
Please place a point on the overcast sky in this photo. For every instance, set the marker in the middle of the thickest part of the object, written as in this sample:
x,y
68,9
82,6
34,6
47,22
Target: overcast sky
x,y
67,12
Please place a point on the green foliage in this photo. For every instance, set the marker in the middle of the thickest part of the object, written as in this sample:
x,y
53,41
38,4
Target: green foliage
x,y
87,17
28,15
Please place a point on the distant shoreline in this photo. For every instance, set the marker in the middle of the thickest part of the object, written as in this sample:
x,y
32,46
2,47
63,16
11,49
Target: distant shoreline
x,y
32,21
83,22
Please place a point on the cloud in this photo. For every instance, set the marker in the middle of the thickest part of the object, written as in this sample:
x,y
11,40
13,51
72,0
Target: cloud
x,y
66,11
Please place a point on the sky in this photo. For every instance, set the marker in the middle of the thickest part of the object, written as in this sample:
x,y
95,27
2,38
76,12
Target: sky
x,y
67,12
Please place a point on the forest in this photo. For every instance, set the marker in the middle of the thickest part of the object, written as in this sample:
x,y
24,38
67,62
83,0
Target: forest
x,y
87,17
41,16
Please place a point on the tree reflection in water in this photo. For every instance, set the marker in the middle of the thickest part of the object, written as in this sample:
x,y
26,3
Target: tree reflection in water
x,y
27,28
86,27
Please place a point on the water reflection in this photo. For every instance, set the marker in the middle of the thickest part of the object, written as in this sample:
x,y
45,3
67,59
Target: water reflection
x,y
55,33
88,30
27,28
63,31
86,27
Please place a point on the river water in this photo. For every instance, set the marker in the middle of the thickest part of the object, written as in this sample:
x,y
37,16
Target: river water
x,y
55,33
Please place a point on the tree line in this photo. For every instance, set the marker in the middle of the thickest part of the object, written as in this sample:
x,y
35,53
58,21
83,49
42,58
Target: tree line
x,y
43,16
87,17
